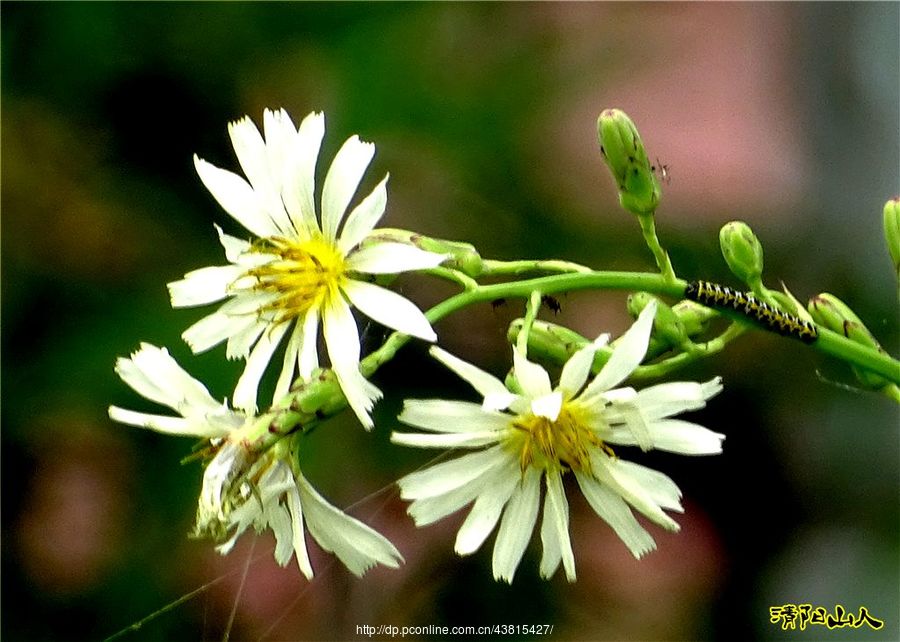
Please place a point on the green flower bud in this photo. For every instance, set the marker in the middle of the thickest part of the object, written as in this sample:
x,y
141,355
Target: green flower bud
x,y
892,230
666,325
548,341
829,311
742,251
694,317
624,153
461,256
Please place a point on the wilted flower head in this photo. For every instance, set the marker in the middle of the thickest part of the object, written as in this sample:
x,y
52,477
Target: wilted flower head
x,y
300,271
518,438
242,488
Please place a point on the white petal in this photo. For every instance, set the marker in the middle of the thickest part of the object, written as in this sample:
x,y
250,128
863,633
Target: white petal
x,y
236,197
431,509
211,330
389,309
342,340
153,374
241,341
667,399
451,416
615,512
500,400
447,476
203,286
634,422
236,315
254,159
281,137
289,363
248,385
533,378
358,546
191,427
658,486
517,526
299,540
250,150
392,258
280,133
279,520
363,218
299,180
576,370
343,178
624,481
233,246
548,406
483,382
555,530
483,517
445,440
675,436
628,354
308,359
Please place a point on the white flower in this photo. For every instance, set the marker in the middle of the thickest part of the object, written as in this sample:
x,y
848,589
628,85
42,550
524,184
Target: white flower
x,y
299,272
518,438
240,488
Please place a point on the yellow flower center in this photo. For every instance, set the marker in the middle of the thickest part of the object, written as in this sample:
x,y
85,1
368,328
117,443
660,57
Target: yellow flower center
x,y
560,444
306,274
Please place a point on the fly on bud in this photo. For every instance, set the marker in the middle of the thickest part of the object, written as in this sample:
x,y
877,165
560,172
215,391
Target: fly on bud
x,y
624,153
742,252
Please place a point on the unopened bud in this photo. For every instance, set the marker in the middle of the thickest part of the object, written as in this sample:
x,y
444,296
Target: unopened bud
x,y
829,311
666,324
892,230
694,317
460,256
624,153
742,251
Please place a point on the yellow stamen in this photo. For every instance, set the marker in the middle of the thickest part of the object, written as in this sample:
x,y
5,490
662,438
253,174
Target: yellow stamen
x,y
305,275
561,444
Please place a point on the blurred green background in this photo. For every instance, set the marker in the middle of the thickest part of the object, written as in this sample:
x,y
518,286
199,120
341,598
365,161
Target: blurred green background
x,y
784,115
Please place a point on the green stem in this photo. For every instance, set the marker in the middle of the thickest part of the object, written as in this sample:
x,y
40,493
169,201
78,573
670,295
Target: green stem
x,y
648,229
454,276
502,268
828,342
531,310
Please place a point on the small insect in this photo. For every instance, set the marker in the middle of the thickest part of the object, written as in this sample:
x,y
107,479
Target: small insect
x,y
662,171
496,303
552,303
715,295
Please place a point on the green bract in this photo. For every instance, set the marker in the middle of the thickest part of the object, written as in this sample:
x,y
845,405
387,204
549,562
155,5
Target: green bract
x,y
626,158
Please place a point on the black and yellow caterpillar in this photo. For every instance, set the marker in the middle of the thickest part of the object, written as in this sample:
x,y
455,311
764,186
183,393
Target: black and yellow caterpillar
x,y
715,295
